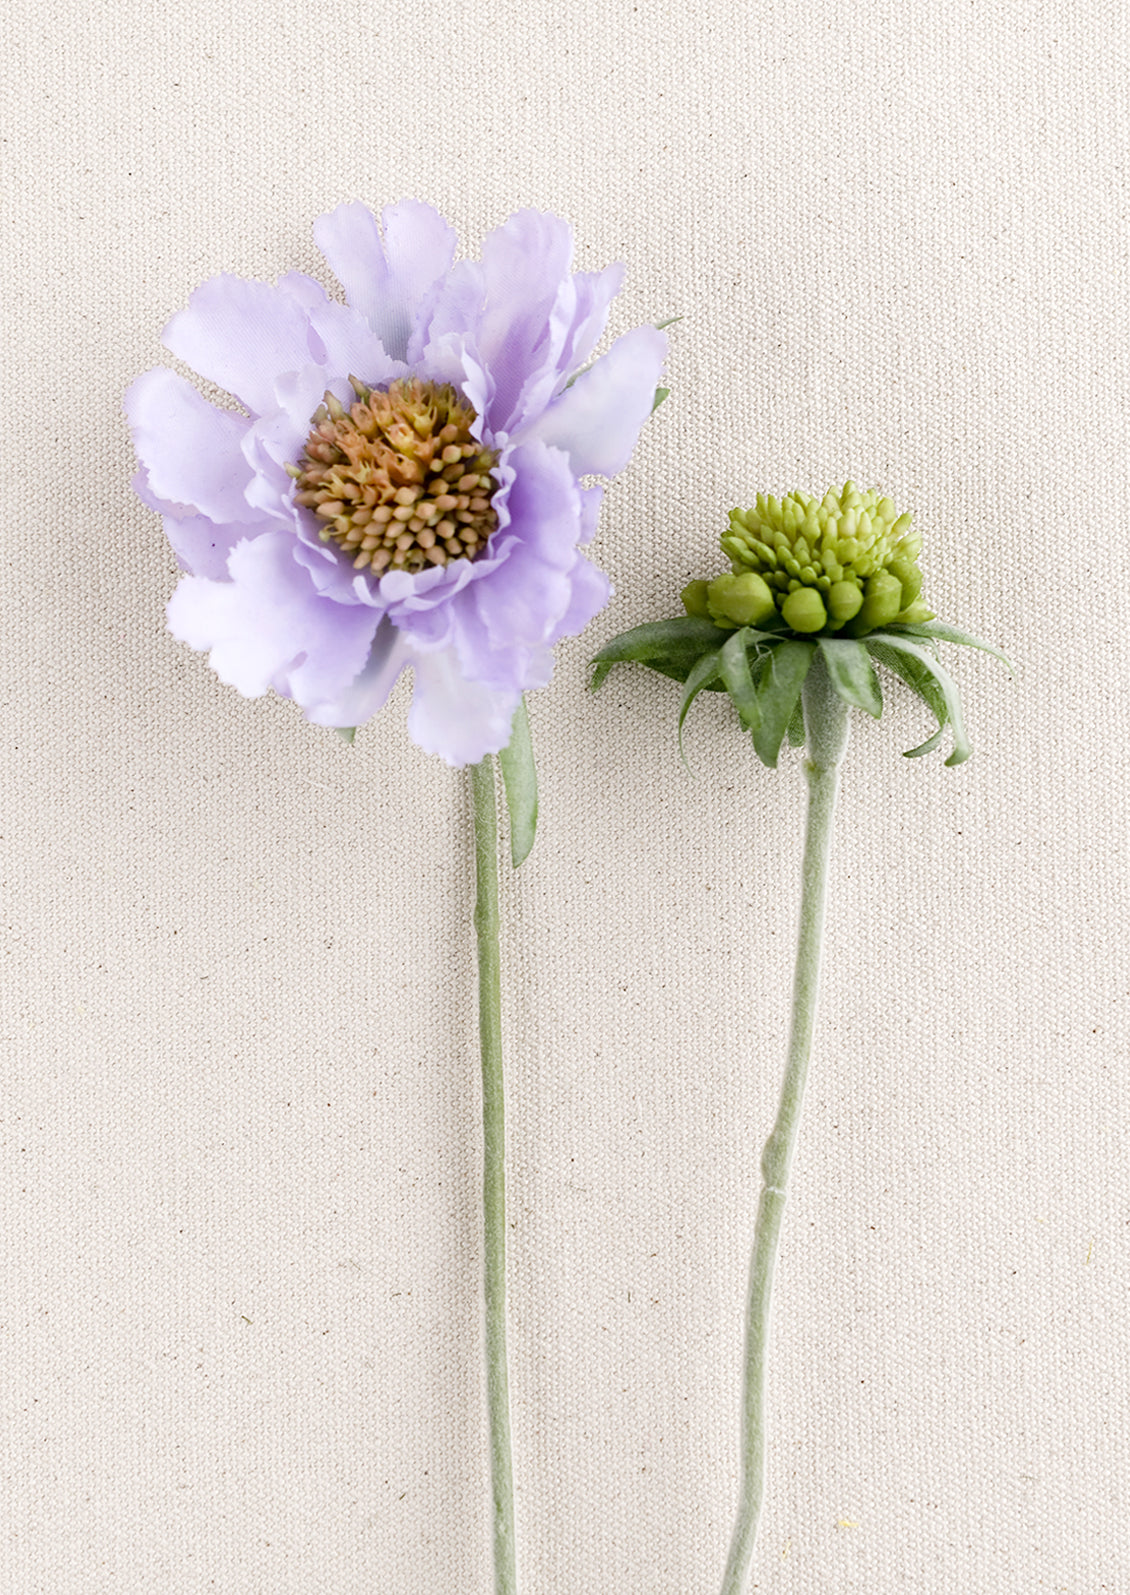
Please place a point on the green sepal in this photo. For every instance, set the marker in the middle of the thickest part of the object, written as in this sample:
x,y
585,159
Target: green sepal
x,y
948,686
704,672
733,667
931,629
346,733
673,647
852,674
778,695
794,735
660,395
520,783
920,681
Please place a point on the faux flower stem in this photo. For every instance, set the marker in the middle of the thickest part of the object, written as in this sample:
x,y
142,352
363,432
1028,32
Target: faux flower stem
x,y
826,737
494,1172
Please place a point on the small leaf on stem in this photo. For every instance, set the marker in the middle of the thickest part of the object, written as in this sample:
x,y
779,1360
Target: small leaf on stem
x,y
520,783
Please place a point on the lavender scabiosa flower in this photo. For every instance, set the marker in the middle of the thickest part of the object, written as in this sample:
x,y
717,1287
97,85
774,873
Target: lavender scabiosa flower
x,y
402,486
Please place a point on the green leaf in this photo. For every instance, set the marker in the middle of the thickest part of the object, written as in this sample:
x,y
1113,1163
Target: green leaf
x,y
852,674
947,633
794,735
733,667
660,395
920,681
944,682
778,695
704,671
520,783
672,647
346,733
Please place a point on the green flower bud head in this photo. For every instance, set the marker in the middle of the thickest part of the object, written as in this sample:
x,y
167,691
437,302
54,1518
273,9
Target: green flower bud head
x,y
829,585
845,600
694,599
804,610
740,600
882,601
830,564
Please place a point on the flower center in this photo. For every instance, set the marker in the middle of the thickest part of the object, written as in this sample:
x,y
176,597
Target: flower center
x,y
398,479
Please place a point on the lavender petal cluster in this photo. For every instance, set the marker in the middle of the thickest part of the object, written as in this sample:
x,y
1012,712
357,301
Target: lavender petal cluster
x,y
278,607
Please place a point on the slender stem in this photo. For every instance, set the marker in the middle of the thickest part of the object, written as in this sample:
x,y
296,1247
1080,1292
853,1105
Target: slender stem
x,y
494,1172
826,734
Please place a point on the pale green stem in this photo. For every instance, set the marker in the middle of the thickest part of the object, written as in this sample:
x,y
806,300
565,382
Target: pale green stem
x,y
826,735
494,1173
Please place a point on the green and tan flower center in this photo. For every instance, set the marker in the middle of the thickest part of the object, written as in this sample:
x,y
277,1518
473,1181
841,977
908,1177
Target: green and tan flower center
x,y
397,478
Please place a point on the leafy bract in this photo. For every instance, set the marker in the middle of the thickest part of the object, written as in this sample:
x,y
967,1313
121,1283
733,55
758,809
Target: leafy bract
x,y
704,672
852,674
520,783
673,647
737,678
763,669
947,633
778,695
919,679
944,683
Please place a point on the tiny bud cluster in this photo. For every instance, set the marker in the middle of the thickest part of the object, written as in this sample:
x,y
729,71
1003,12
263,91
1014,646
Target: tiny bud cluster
x,y
398,479
844,563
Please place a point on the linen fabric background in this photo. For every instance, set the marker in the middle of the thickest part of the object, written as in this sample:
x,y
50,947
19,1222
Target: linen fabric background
x,y
241,1249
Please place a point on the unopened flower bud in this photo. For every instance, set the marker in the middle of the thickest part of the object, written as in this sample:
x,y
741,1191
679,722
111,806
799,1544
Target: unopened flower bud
x,y
882,600
804,610
845,599
850,551
910,576
739,600
694,599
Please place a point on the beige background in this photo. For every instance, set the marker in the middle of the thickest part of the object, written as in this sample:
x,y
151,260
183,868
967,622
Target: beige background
x,y
239,1180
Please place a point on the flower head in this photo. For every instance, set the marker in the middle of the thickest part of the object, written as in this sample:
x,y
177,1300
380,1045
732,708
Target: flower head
x,y
844,563
834,578
402,485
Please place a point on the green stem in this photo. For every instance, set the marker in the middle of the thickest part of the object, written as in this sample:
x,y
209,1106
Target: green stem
x,y
494,1172
826,735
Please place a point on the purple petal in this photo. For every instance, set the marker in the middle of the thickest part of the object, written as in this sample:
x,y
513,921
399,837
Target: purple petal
x,y
530,591
591,500
590,590
360,701
525,262
595,291
189,450
573,325
387,282
267,627
201,546
460,720
350,347
241,335
598,419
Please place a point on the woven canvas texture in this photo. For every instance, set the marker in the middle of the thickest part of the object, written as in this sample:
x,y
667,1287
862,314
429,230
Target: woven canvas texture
x,y
241,1253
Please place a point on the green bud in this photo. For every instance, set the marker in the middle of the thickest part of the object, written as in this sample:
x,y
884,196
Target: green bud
x,y
850,550
882,600
694,599
742,600
845,600
914,614
907,572
804,610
